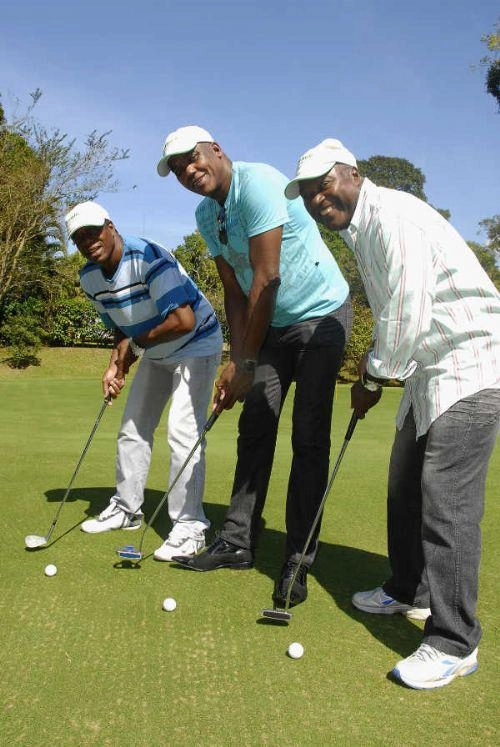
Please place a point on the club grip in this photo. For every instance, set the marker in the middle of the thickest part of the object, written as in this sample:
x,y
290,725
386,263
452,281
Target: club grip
x,y
211,420
351,427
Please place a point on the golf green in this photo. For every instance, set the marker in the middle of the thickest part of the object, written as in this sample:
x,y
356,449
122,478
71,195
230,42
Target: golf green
x,y
89,657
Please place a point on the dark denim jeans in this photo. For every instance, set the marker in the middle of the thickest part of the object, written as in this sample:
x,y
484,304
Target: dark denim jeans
x,y
435,505
309,353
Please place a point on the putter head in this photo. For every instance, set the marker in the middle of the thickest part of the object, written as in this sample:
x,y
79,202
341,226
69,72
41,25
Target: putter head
x,y
33,541
129,552
281,615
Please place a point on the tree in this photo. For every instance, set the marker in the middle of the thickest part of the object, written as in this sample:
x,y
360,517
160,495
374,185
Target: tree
x,y
486,259
359,341
489,254
492,62
492,228
196,260
42,174
397,173
346,262
394,173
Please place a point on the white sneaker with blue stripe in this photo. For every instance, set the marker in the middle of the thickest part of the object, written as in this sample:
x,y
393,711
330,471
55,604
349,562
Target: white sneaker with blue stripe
x,y
113,517
378,602
428,668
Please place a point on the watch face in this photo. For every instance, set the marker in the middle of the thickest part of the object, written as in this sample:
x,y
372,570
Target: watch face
x,y
248,365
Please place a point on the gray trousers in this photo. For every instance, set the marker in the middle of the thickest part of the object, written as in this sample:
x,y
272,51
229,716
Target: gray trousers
x,y
188,384
435,505
309,353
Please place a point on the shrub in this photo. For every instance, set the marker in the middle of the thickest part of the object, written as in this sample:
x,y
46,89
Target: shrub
x,y
23,342
358,342
75,322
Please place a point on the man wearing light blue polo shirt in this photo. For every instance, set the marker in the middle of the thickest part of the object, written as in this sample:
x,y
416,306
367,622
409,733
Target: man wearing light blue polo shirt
x,y
289,317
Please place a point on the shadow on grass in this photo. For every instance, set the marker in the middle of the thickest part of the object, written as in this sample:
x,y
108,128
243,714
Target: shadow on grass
x,y
340,570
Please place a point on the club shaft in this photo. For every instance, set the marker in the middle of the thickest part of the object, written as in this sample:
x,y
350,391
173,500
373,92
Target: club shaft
x,y
89,441
213,417
347,438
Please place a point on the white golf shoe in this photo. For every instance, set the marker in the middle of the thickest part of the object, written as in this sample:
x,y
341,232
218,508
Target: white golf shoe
x,y
427,668
113,517
378,602
182,541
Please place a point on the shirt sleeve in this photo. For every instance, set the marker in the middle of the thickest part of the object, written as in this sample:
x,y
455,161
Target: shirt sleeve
x,y
262,201
98,306
107,321
168,287
403,250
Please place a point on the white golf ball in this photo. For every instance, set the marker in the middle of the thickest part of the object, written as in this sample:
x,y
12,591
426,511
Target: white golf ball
x,y
169,604
50,569
295,650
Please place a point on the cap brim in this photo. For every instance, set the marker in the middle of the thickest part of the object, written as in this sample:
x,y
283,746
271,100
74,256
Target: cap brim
x,y
292,189
88,225
162,167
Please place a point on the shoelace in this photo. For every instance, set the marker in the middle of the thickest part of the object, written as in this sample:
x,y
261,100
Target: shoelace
x,y
109,510
301,575
180,533
426,653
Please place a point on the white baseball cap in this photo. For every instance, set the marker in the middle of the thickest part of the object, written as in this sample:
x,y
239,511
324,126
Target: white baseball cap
x,y
318,161
181,141
85,214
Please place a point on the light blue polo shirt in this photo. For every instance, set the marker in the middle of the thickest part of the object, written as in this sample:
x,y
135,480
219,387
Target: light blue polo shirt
x,y
311,282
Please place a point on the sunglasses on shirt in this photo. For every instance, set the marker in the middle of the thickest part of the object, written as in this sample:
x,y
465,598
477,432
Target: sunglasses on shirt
x,y
221,223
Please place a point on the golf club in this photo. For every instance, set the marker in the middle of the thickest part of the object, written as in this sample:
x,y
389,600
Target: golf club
x,y
283,615
130,552
33,541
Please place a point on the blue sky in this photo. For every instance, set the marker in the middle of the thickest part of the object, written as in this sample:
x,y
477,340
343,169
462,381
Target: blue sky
x,y
269,79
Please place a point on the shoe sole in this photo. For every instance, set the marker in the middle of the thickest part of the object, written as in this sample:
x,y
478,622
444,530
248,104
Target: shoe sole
x,y
170,560
281,602
414,613
239,567
469,669
113,529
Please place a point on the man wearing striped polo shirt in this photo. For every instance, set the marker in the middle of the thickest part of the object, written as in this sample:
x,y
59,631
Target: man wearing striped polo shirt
x,y
157,314
437,328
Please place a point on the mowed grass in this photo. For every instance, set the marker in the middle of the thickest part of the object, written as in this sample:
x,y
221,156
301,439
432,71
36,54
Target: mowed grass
x,y
89,657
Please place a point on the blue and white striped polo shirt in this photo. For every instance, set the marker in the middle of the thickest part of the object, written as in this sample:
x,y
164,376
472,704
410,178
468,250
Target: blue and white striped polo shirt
x,y
148,284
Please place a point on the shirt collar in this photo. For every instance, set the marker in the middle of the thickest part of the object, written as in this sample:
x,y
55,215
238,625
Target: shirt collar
x,y
349,234
360,206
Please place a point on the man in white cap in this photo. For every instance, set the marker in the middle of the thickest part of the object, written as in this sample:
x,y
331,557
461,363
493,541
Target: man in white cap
x,y
289,316
157,314
437,328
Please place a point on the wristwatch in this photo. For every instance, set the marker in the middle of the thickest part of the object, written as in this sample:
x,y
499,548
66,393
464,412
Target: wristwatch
x,y
370,383
136,349
248,365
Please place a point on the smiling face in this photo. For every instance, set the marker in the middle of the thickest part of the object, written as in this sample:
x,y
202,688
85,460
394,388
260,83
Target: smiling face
x,y
205,170
100,244
331,199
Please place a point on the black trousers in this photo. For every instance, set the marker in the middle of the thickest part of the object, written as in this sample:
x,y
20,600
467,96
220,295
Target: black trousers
x,y
309,353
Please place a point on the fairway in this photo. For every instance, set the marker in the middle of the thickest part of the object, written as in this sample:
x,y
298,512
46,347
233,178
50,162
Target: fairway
x,y
89,657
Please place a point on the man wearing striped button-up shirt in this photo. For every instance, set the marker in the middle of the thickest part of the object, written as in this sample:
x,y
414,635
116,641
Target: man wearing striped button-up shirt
x,y
437,328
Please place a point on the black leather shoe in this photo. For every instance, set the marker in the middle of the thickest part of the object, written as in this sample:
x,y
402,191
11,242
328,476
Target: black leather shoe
x,y
299,590
220,554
